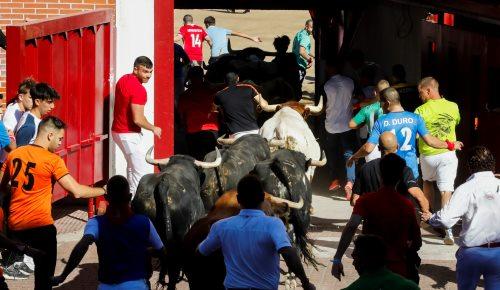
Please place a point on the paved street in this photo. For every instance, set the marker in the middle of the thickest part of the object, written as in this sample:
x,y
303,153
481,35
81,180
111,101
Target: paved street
x,y
330,215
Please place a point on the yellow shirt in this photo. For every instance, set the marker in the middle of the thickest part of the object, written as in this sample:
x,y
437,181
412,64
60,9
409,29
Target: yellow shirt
x,y
441,117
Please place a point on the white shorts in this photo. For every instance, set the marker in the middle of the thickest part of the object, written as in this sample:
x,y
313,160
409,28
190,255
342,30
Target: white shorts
x,y
373,155
441,168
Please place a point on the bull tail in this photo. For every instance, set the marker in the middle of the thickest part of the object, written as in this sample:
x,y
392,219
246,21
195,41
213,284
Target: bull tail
x,y
163,220
299,219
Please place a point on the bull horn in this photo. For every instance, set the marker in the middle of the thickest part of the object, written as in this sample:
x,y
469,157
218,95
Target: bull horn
x,y
230,48
321,162
269,108
316,109
152,161
225,141
213,164
277,143
291,204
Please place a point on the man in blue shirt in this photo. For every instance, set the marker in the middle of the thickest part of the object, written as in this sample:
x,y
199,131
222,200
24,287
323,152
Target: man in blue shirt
x,y
5,141
251,243
219,35
405,125
44,97
122,240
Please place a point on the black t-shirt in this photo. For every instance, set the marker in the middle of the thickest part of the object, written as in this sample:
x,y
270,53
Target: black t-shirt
x,y
238,107
369,179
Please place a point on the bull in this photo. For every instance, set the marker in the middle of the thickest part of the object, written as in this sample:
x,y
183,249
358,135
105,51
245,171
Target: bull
x,y
288,125
209,272
270,79
237,161
171,199
284,175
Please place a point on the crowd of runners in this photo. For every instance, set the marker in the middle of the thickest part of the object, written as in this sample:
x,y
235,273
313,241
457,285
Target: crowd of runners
x,y
384,149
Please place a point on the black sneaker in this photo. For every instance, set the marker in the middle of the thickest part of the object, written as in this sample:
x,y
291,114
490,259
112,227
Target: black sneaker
x,y
11,273
23,268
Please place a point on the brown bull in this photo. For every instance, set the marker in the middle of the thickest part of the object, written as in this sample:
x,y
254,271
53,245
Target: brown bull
x,y
209,272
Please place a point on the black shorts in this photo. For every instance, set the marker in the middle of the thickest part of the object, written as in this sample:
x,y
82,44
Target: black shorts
x,y
44,239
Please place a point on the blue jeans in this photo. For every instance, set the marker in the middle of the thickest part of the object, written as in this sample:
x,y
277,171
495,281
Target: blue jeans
x,y
474,262
339,148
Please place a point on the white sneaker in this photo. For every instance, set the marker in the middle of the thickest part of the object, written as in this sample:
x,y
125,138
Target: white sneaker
x,y
448,238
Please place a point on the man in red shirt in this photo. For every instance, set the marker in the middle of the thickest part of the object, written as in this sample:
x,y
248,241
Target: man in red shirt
x,y
388,214
197,114
193,36
129,119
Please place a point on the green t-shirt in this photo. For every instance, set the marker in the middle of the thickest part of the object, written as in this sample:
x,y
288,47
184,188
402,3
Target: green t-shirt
x,y
441,117
368,115
382,280
301,39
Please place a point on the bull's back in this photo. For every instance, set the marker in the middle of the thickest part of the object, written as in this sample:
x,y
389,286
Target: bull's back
x,y
237,161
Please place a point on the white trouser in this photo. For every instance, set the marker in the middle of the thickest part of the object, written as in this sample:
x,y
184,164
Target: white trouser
x,y
131,146
373,155
243,133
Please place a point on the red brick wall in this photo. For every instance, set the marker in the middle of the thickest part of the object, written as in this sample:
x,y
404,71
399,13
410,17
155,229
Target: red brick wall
x,y
16,11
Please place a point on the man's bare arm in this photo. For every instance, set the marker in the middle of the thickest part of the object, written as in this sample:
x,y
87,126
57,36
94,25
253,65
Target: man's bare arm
x,y
178,37
244,35
141,121
418,194
78,190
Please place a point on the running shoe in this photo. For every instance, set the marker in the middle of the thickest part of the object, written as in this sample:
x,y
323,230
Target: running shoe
x,y
448,238
23,268
334,185
11,273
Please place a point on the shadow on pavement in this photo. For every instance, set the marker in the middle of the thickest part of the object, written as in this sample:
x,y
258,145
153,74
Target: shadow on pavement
x,y
441,275
322,224
86,278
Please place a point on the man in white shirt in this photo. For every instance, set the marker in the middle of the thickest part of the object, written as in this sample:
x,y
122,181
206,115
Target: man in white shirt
x,y
477,203
18,105
340,139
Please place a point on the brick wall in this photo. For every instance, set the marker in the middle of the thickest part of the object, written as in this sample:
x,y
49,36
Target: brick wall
x,y
16,11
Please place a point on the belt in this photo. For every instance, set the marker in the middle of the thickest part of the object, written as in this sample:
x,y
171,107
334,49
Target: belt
x,y
491,245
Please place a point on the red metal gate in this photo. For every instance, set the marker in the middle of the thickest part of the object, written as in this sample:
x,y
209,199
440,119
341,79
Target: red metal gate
x,y
74,55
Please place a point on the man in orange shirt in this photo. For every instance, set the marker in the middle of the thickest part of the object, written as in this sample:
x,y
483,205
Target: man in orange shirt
x,y
32,171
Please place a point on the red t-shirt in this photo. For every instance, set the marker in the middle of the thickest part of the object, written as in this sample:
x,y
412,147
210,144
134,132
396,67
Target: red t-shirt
x,y
128,91
388,214
196,109
193,36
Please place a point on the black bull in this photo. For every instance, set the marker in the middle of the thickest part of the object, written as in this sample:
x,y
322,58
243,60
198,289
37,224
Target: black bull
x,y
271,80
171,199
237,161
283,175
